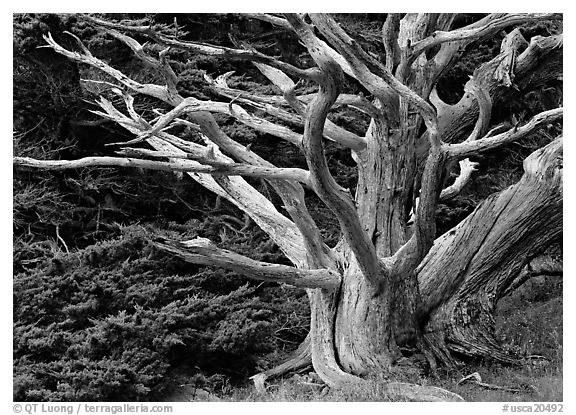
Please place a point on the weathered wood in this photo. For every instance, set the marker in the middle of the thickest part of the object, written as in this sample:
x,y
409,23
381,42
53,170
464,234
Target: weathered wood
x,y
385,280
470,267
482,29
467,167
179,163
538,64
469,148
300,359
202,48
202,251
337,198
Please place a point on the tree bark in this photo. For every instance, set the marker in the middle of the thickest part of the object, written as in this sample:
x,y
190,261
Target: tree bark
x,y
471,266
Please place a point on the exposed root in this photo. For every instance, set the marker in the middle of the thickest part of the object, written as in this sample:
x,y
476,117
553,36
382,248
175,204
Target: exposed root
x,y
476,379
325,364
409,392
301,359
434,343
428,352
451,329
338,379
322,305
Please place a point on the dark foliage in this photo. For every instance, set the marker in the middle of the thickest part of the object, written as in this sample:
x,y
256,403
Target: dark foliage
x,y
107,323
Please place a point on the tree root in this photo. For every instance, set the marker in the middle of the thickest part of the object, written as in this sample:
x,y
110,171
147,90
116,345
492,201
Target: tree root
x,y
320,353
301,359
435,344
452,329
476,379
395,391
410,392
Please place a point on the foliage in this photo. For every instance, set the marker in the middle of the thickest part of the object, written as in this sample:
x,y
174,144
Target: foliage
x,y
109,321
52,120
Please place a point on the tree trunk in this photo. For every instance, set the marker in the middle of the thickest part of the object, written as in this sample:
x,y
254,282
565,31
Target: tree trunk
x,y
460,282
364,326
369,328
470,267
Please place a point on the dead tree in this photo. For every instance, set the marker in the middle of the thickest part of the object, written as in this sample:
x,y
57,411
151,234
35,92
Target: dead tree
x,y
387,281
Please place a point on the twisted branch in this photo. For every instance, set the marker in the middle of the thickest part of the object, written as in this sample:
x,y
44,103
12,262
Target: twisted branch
x,y
202,251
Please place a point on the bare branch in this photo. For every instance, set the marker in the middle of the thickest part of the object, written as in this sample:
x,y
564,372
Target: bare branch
x,y
265,126
339,200
469,148
294,239
153,90
280,229
271,103
317,253
79,43
509,49
539,64
237,191
485,108
479,30
291,192
331,130
220,85
177,164
359,62
202,251
160,65
467,167
278,21
221,167
379,85
542,265
205,49
169,94
390,31
265,17
188,105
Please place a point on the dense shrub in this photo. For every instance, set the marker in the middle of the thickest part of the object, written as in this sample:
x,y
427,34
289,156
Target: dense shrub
x,y
110,321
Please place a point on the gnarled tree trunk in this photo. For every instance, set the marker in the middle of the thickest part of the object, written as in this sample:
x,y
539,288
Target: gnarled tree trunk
x,y
469,268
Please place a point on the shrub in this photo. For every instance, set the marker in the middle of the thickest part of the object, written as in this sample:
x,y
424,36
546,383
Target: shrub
x,y
109,322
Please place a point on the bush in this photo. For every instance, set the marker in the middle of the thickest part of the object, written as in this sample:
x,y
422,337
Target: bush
x,y
109,323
